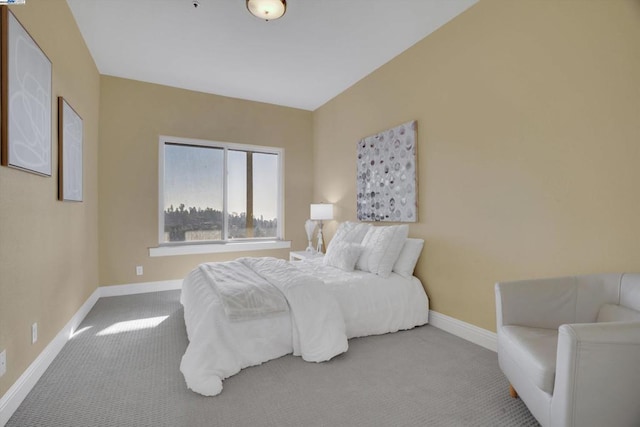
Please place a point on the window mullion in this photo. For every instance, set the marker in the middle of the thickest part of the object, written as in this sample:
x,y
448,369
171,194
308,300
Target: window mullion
x,y
225,196
249,207
280,196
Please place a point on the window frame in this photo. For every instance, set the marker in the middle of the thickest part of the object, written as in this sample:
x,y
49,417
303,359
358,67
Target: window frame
x,y
218,245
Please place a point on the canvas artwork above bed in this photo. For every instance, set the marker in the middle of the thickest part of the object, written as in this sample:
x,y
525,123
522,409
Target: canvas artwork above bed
x,y
245,312
386,184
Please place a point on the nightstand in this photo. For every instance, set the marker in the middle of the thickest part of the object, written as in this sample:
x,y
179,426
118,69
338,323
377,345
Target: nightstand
x,y
300,255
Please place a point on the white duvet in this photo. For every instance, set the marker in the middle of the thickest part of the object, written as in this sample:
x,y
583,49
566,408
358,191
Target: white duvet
x,y
229,331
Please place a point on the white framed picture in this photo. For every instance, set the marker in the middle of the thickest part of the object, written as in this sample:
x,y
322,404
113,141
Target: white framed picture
x,y
26,99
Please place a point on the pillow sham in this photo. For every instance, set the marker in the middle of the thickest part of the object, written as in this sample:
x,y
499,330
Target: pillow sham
x,y
408,258
343,255
349,232
382,246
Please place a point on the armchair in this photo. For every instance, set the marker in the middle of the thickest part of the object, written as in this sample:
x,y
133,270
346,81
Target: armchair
x,y
570,347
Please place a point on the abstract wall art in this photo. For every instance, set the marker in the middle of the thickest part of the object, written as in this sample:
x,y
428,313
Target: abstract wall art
x,y
387,175
26,99
69,153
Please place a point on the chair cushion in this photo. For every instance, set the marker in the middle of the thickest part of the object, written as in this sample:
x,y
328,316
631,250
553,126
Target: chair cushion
x,y
534,350
617,313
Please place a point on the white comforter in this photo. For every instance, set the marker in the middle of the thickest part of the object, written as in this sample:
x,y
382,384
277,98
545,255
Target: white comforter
x,y
317,328
326,306
319,331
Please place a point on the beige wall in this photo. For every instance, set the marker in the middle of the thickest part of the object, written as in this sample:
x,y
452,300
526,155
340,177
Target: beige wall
x,y
529,145
132,116
528,149
49,249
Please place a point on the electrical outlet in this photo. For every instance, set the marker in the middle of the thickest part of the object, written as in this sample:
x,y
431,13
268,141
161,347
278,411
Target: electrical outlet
x,y
139,270
3,362
34,333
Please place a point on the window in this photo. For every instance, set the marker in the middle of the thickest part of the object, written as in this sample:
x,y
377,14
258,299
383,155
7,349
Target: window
x,y
218,192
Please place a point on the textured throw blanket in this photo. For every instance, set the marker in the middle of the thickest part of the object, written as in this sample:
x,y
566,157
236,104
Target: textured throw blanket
x,y
244,294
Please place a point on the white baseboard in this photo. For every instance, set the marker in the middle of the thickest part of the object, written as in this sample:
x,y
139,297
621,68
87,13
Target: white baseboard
x,y
139,288
21,388
469,332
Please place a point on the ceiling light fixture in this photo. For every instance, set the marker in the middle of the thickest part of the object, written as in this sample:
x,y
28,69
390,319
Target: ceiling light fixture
x,y
267,9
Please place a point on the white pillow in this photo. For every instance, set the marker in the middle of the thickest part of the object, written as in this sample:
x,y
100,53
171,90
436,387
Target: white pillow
x,y
343,255
349,232
382,246
408,257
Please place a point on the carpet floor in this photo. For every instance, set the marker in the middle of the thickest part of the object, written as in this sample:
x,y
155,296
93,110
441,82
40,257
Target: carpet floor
x,y
121,368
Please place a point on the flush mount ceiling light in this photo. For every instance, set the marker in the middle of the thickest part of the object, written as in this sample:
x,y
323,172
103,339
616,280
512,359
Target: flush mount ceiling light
x,y
267,9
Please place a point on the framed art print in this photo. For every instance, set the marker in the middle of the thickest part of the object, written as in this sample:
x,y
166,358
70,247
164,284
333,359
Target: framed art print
x,y
386,184
26,99
69,153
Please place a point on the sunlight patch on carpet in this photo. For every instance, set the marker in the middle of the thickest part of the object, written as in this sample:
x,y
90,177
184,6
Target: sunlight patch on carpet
x,y
132,325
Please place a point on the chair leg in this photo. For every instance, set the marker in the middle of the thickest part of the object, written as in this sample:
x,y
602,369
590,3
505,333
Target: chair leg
x,y
512,392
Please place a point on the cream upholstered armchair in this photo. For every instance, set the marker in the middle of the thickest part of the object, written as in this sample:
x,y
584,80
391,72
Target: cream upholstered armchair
x,y
570,347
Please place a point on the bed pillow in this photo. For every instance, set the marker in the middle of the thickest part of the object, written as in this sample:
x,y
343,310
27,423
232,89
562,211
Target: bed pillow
x,y
349,232
343,255
381,248
408,258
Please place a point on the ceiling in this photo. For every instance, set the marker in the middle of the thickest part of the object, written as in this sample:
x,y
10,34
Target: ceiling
x,y
315,51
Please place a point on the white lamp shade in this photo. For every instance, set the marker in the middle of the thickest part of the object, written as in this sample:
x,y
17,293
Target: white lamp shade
x,y
267,9
321,211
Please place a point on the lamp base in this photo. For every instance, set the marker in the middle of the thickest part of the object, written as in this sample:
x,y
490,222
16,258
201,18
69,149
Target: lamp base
x,y
320,239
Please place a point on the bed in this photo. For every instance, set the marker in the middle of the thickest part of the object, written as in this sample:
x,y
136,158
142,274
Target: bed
x,y
245,312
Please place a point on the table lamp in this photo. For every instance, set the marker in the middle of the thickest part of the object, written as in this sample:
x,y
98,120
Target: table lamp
x,y
321,212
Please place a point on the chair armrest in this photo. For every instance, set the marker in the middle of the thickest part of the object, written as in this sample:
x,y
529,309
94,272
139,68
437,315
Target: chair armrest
x,y
620,333
539,303
597,375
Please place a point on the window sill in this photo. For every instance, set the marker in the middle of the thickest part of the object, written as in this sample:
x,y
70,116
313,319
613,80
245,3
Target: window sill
x,y
218,248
